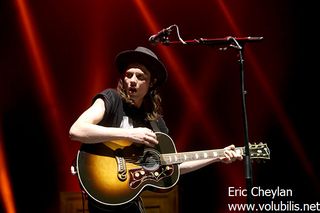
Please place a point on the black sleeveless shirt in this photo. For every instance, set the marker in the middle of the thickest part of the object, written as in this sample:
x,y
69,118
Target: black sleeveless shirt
x,y
116,110
118,113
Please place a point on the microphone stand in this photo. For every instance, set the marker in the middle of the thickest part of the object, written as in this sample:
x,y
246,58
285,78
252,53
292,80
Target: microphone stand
x,y
247,160
234,43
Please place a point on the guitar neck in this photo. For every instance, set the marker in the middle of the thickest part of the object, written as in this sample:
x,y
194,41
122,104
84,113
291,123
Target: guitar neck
x,y
177,158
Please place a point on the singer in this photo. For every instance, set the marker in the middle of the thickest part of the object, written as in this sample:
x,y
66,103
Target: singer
x,y
113,163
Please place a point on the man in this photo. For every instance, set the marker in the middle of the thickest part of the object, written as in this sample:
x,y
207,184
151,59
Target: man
x,y
132,113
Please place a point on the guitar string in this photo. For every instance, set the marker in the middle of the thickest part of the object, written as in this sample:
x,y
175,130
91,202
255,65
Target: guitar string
x,y
193,157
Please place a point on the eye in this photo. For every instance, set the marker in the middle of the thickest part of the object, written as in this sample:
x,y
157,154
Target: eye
x,y
141,76
128,75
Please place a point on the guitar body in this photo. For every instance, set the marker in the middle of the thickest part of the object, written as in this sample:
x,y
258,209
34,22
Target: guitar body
x,y
115,172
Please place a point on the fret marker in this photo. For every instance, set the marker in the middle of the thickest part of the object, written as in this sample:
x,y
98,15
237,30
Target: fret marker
x,y
215,154
205,155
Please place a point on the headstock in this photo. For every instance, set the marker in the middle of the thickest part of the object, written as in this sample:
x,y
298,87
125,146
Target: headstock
x,y
259,151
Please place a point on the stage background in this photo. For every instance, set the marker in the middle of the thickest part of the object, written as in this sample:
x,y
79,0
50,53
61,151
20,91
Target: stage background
x,y
56,55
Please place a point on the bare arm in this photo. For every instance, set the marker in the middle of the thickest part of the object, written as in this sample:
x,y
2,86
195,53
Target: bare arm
x,y
86,130
229,156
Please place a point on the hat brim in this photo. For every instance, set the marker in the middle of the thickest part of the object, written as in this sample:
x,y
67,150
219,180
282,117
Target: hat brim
x,y
154,66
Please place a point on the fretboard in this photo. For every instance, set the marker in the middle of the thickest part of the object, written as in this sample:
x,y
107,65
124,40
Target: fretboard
x,y
176,158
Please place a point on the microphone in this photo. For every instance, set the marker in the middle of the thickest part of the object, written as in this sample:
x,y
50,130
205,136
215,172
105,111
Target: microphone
x,y
161,36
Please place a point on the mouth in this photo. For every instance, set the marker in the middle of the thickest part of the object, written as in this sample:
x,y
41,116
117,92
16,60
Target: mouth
x,y
132,90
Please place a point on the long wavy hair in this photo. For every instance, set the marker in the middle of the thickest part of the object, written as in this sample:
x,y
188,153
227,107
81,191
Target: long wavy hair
x,y
151,101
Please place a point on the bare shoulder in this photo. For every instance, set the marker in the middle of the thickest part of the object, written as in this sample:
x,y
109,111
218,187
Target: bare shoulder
x,y
99,103
94,113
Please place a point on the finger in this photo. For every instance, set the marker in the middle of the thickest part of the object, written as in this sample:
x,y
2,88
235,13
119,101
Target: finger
x,y
231,147
149,144
150,133
149,140
152,140
231,155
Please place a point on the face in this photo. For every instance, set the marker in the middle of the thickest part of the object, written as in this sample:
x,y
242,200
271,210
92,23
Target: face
x,y
137,83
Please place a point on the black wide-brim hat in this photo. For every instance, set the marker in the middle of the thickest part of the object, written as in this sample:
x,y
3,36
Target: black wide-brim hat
x,y
145,57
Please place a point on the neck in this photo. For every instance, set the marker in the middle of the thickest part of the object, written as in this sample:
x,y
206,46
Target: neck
x,y
136,103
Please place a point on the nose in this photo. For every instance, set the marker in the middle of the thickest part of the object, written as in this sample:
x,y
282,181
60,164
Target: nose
x,y
133,80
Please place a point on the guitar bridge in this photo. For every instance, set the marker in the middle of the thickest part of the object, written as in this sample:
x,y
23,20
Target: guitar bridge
x,y
122,169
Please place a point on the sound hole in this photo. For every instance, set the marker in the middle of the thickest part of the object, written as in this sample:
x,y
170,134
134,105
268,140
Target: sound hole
x,y
151,159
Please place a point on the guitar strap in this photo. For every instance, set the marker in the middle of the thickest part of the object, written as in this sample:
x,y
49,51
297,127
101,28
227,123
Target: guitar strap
x,y
154,126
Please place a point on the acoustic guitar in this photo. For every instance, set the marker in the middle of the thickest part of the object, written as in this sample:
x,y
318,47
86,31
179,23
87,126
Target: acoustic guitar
x,y
116,172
